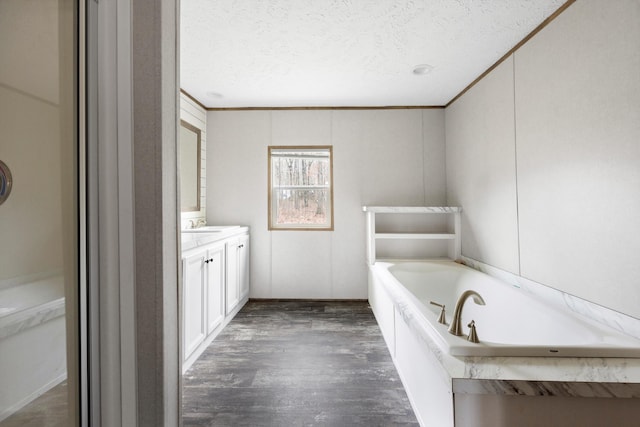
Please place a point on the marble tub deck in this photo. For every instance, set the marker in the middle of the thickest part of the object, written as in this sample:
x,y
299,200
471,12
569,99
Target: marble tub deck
x,y
526,376
297,363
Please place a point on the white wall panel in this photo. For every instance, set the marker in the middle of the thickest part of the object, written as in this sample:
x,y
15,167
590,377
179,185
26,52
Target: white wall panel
x,y
578,139
434,158
237,165
577,125
481,174
392,153
378,158
301,260
299,127
30,147
349,273
301,264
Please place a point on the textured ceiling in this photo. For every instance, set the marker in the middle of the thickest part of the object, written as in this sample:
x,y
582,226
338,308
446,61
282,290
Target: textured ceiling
x,y
287,53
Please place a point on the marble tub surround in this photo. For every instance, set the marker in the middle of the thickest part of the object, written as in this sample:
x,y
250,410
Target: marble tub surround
x,y
26,303
33,320
565,369
17,322
512,323
626,324
447,390
571,372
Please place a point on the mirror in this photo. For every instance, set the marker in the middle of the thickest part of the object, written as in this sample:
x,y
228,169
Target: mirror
x,y
189,145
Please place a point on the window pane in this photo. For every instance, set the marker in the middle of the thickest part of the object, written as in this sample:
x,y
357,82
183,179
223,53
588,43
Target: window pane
x,y
301,187
301,207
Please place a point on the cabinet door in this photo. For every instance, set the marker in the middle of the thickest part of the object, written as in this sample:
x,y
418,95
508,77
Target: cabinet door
x,y
243,266
233,291
194,292
215,286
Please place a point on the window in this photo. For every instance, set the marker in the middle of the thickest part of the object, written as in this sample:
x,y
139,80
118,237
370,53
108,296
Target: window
x,y
301,188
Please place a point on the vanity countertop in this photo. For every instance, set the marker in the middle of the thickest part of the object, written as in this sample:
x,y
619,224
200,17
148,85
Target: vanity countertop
x,y
194,239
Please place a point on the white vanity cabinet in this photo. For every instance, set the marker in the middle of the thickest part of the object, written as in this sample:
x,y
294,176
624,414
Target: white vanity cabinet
x,y
215,283
243,267
237,271
215,286
194,297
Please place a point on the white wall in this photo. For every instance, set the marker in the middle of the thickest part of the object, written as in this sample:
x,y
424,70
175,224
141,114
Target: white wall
x,y
391,157
481,169
544,156
30,143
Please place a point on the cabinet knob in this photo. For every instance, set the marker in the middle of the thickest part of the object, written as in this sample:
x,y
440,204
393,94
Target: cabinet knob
x,y
206,261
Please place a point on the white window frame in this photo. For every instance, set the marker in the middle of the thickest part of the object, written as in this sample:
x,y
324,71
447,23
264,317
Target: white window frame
x,y
272,208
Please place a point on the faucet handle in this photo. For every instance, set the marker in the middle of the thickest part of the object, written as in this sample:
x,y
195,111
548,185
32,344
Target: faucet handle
x,y
442,318
473,335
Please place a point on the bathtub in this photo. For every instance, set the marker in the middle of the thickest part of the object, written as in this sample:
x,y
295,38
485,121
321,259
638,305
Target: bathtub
x,y
511,323
32,340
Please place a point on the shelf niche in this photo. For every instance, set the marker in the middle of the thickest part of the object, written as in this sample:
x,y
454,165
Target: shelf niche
x,y
412,232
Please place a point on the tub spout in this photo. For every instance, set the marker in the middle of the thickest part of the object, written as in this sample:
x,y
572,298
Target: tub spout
x,y
455,328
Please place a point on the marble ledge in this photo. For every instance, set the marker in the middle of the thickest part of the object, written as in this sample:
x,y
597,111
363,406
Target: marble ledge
x,y
20,321
412,209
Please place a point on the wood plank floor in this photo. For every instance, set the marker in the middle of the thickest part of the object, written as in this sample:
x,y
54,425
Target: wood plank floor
x,y
48,410
297,363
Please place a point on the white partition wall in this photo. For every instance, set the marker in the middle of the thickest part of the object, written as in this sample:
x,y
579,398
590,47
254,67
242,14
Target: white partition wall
x,y
578,137
392,157
481,169
543,155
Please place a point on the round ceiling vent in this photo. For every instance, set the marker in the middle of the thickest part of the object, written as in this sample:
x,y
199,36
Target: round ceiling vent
x,y
422,69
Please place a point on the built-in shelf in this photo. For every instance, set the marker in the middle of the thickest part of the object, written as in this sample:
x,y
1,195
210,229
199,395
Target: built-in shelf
x,y
372,235
416,236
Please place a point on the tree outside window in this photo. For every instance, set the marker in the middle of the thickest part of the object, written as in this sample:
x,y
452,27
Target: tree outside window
x,y
300,188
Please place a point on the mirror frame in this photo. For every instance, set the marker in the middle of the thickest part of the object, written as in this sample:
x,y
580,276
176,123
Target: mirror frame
x,y
198,133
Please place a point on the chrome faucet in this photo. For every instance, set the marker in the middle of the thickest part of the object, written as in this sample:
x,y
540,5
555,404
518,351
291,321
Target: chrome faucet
x,y
455,328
